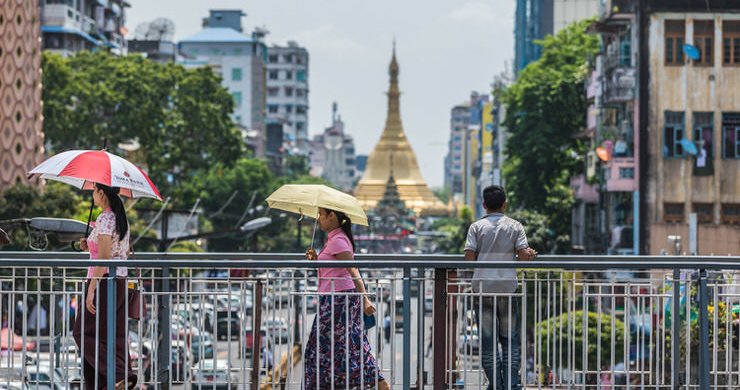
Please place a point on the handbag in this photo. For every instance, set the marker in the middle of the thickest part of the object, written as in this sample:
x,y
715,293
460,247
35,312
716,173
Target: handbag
x,y
134,295
134,303
368,319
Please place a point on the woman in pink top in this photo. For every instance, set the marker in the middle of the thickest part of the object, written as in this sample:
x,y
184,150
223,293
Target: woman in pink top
x,y
343,358
109,239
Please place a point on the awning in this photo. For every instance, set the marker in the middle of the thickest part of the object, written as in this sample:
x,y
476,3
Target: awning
x,y
67,30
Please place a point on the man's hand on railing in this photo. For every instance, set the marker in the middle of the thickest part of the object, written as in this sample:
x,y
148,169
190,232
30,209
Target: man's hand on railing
x,y
526,254
368,306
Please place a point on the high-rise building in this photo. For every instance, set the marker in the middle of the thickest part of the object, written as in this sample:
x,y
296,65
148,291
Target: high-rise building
x,y
332,154
239,59
536,19
393,153
287,93
72,26
459,118
21,135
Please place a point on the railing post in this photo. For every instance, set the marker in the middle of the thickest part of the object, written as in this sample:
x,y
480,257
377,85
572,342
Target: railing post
x,y
256,334
111,329
407,328
439,313
165,341
676,330
703,331
420,339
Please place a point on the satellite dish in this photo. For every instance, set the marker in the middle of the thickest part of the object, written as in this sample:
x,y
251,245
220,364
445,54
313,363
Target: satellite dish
x,y
689,146
692,52
161,29
256,224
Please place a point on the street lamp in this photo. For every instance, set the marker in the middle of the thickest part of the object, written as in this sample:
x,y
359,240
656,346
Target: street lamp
x,y
253,225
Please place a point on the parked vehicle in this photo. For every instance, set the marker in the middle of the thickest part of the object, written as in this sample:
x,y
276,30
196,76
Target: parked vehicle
x,y
277,329
207,375
201,346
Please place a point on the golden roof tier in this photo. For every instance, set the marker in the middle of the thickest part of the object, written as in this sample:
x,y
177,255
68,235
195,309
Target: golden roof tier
x,y
393,153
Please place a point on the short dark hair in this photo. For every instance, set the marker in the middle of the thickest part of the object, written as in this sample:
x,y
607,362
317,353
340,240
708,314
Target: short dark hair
x,y
494,197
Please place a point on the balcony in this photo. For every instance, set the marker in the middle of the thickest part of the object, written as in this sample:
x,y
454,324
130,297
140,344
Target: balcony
x,y
582,190
62,15
621,175
205,308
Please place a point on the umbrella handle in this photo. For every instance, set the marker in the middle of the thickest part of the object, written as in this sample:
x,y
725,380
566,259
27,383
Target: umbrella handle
x,y
89,216
313,235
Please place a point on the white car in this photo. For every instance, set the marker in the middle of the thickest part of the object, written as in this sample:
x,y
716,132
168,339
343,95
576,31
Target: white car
x,y
207,375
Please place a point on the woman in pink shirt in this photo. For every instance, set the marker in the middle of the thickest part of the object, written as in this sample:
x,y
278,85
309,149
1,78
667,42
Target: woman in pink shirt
x,y
343,358
109,239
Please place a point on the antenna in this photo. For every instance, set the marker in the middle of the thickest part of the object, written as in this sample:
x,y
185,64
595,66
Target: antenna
x,y
161,29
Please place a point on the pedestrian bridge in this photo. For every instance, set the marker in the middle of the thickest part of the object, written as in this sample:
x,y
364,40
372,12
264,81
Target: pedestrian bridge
x,y
584,321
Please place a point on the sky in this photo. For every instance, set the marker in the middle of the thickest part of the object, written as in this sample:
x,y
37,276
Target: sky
x,y
445,48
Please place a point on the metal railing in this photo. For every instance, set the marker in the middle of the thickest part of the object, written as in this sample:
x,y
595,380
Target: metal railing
x,y
582,321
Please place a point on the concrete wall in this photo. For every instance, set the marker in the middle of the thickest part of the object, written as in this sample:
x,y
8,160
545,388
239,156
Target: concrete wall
x,y
719,240
689,89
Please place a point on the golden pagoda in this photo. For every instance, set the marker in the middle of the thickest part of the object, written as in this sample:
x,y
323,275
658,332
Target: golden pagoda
x,y
393,153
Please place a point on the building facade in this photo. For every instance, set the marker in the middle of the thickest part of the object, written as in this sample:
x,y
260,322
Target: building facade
x,y
69,26
332,155
459,118
287,93
663,126
693,126
240,60
21,119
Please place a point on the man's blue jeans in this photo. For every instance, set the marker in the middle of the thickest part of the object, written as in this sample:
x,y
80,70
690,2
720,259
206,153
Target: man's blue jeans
x,y
499,324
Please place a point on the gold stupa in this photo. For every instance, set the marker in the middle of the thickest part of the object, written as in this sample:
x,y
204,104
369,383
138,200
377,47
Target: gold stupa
x,y
393,153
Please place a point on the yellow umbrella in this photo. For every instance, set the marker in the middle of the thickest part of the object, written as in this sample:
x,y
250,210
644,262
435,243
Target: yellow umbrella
x,y
305,199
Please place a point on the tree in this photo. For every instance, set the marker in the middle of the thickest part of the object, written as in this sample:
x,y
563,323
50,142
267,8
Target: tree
x,y
546,111
180,117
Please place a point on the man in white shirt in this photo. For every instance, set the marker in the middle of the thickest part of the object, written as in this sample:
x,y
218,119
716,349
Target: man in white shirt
x,y
496,237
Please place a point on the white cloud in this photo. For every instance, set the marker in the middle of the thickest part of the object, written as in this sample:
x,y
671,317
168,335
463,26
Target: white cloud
x,y
475,12
327,39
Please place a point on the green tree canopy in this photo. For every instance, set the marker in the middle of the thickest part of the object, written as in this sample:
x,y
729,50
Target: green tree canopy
x,y
180,117
546,111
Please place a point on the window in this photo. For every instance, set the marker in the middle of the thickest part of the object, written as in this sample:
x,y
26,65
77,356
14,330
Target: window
x,y
704,212
731,135
273,75
300,109
300,126
673,134
625,50
237,98
215,52
300,75
272,58
730,214
288,91
731,42
704,41
288,58
300,92
238,51
272,109
299,60
704,134
675,32
272,92
236,74
238,119
673,212
288,75
289,108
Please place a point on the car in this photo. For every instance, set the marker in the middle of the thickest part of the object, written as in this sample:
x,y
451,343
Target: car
x,y
277,329
42,377
201,346
213,375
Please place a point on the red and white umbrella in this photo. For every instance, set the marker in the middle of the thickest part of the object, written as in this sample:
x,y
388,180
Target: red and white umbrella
x,y
83,168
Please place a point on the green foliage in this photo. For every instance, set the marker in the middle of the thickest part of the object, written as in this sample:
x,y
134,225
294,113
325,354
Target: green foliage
x,y
180,117
546,107
186,246
458,227
558,330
